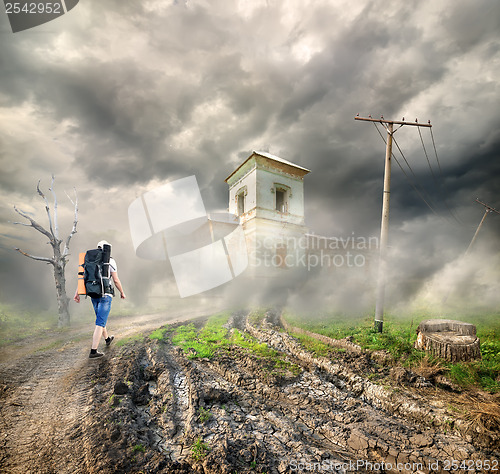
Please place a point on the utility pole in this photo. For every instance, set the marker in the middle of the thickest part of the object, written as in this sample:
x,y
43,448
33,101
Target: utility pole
x,y
487,210
384,226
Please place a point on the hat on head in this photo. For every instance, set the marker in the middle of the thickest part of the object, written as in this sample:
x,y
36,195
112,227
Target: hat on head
x,y
102,243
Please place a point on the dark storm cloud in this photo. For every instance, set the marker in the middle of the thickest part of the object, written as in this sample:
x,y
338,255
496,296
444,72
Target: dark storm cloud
x,y
145,92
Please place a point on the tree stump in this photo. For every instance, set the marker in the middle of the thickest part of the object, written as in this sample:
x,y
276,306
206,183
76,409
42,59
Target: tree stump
x,y
454,341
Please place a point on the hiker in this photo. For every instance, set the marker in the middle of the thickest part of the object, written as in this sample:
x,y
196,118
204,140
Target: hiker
x,y
102,307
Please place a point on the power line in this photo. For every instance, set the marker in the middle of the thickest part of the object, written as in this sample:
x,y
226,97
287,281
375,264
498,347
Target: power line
x,y
435,151
440,174
427,156
412,184
418,188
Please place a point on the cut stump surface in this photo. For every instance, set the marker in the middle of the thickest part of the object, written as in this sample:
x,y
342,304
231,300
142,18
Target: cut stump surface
x,y
451,340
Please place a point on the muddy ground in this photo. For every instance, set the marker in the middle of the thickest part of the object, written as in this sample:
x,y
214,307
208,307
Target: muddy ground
x,y
148,408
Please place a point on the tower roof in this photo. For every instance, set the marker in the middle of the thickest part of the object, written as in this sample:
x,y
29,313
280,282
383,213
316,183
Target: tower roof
x,y
273,158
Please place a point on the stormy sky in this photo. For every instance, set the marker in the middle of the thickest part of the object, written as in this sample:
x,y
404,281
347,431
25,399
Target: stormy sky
x,y
118,97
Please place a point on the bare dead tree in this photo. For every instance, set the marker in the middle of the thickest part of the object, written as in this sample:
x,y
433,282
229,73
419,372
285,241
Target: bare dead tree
x,y
59,259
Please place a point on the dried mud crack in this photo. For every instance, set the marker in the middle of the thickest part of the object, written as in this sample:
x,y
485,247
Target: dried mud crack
x,y
147,407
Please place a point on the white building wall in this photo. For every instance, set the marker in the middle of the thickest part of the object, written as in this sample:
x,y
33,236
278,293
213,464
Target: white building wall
x,y
267,180
248,182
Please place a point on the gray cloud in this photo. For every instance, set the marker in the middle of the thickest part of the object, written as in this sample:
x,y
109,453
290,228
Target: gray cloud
x,y
115,99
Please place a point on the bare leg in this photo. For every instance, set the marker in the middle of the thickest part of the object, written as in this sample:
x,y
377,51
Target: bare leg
x,y
97,336
104,333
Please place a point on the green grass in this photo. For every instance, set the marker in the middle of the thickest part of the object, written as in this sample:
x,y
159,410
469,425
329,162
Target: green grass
x,y
398,338
213,339
187,338
246,341
490,348
204,415
52,346
213,332
159,334
205,342
199,450
318,348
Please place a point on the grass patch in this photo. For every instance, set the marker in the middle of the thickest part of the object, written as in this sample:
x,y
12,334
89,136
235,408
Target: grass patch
x,y
397,338
318,348
483,374
204,415
202,343
159,334
187,338
283,366
247,341
214,337
199,450
138,448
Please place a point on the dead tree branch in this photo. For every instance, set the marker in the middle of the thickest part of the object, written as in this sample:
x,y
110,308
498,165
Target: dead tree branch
x,y
75,222
33,224
21,223
56,227
40,259
47,208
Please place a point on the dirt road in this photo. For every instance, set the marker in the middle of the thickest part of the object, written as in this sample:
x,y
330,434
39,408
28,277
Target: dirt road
x,y
46,396
145,407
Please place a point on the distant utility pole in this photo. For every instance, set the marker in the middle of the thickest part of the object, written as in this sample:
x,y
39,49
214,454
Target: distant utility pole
x,y
487,210
384,226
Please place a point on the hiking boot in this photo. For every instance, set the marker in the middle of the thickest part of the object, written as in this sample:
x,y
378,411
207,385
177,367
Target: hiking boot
x,y
109,340
95,355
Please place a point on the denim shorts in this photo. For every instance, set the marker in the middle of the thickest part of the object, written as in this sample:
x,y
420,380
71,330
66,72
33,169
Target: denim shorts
x,y
102,307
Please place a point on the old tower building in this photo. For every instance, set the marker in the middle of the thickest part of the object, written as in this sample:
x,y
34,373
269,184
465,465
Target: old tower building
x,y
267,193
